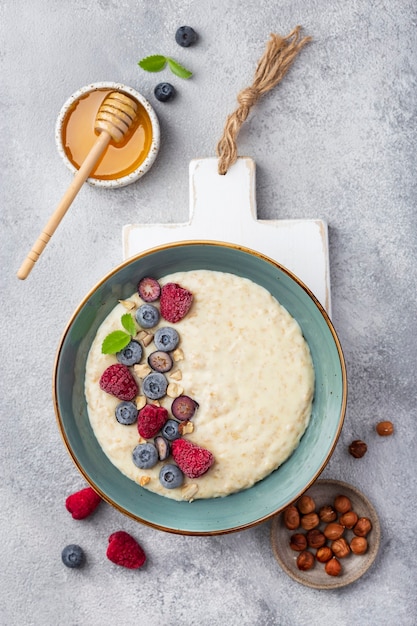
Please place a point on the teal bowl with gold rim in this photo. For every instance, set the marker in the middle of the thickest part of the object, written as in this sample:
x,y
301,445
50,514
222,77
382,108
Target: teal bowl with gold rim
x,y
269,496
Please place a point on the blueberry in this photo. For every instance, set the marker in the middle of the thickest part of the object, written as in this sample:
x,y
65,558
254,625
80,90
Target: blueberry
x,y
170,430
131,354
160,361
126,413
184,407
171,476
154,386
73,556
149,289
166,339
147,316
145,455
163,447
164,92
185,36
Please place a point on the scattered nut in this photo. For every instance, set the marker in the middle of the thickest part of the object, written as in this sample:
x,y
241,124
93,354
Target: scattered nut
x,y
327,514
298,542
144,480
359,545
140,402
189,491
333,567
385,429
340,548
178,355
362,527
176,375
309,521
342,504
349,519
306,505
185,428
333,531
324,554
358,448
315,538
141,370
305,560
128,304
291,517
145,337
174,390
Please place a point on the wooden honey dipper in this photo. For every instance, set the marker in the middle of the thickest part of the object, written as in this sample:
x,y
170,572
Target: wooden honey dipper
x,y
113,120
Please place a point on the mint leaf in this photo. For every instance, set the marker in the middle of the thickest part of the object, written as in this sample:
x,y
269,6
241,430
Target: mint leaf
x,y
178,69
114,342
128,323
153,63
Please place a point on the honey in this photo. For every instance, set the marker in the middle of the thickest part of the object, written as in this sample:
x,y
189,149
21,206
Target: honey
x,y
118,160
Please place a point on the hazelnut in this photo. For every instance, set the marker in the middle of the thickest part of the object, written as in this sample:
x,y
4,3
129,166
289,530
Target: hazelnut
x,y
349,519
385,429
327,514
305,560
315,538
306,505
324,554
342,504
298,542
333,531
309,521
358,448
333,567
291,517
340,548
359,545
362,527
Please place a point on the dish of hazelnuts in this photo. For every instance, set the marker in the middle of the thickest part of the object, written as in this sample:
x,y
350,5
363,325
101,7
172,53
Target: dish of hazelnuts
x,y
329,537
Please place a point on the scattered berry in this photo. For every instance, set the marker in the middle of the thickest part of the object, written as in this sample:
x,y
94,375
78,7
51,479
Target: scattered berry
x,y
149,289
118,381
147,316
193,460
160,361
151,420
164,92
175,302
166,339
126,413
170,430
171,476
154,386
145,455
73,556
163,447
185,36
82,503
131,354
124,550
184,407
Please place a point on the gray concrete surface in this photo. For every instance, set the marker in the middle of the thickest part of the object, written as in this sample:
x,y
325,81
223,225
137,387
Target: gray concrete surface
x,y
336,141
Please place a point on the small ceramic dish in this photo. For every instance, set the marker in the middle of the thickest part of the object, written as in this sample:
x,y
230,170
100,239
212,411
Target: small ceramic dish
x,y
270,495
354,566
74,135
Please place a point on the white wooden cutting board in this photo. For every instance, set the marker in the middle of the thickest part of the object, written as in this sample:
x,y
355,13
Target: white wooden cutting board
x,y
223,208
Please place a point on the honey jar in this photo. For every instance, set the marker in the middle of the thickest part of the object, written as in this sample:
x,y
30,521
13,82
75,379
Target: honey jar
x,y
122,163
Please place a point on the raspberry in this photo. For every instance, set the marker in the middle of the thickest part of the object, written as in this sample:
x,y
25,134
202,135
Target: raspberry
x,y
150,420
118,381
193,460
82,503
124,550
175,302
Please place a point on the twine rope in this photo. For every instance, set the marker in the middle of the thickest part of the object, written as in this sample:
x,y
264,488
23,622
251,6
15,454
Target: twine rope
x,y
279,55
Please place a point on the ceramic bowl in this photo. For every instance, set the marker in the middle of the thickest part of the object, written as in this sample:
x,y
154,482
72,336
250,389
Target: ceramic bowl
x,y
353,566
147,109
266,498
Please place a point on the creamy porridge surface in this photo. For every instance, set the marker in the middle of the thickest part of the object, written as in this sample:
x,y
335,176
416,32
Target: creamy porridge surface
x,y
247,365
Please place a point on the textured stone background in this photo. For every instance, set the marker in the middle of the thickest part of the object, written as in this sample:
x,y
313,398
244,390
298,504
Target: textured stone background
x,y
336,140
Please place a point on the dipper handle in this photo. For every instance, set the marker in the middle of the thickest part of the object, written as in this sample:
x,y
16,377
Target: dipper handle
x,y
114,118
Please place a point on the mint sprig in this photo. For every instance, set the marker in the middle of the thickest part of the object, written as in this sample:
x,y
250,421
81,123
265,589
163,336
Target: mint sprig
x,y
118,339
157,62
